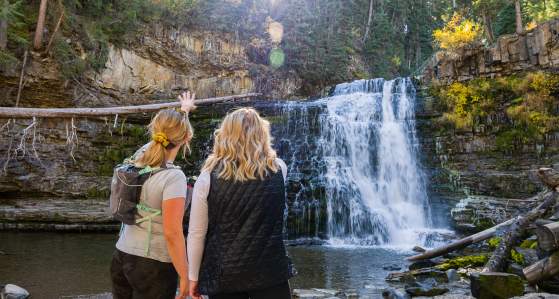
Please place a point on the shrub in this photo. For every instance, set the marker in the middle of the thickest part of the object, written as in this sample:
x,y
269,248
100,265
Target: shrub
x,y
457,33
529,101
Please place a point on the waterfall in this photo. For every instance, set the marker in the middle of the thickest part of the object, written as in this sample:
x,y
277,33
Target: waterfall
x,y
354,173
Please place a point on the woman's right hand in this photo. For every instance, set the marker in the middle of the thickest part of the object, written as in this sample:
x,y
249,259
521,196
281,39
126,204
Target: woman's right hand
x,y
183,289
187,101
194,290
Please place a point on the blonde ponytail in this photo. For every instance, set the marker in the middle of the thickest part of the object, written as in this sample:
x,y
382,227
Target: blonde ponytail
x,y
168,129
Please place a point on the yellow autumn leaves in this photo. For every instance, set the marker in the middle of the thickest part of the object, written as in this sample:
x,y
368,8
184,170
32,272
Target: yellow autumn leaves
x,y
457,33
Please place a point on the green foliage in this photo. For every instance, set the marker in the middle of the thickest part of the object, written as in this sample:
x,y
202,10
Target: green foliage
x,y
530,102
467,103
517,257
529,244
494,242
541,10
13,12
71,65
505,22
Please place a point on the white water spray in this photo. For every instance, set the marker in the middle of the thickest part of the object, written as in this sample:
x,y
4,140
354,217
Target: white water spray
x,y
364,146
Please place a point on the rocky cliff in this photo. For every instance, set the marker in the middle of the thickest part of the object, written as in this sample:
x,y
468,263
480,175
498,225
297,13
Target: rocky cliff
x,y
471,163
537,49
70,160
486,184
161,62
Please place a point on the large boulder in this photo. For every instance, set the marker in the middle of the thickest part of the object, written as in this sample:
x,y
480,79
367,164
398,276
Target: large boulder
x,y
496,285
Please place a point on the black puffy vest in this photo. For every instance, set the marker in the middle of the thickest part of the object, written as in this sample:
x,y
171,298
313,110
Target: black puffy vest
x,y
244,244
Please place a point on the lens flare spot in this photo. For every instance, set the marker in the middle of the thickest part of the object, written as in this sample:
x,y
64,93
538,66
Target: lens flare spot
x,y
277,58
275,30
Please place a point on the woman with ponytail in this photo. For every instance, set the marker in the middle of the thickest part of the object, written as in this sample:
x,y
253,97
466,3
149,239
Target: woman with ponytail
x,y
151,256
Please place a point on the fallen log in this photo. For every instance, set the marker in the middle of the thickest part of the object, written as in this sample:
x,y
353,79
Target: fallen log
x,y
548,236
549,176
498,260
543,269
475,238
18,112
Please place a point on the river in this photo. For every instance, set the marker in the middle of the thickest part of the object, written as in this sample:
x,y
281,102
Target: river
x,y
50,265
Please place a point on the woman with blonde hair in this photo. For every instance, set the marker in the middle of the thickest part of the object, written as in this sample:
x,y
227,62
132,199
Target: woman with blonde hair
x,y
235,237
151,255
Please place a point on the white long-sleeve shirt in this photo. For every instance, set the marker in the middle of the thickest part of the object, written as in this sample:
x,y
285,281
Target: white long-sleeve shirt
x,y
198,226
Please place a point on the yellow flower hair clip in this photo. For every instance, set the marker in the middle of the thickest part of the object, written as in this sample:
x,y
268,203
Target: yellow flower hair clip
x,y
160,138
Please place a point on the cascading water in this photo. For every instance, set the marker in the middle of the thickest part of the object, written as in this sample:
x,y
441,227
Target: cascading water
x,y
375,189
354,175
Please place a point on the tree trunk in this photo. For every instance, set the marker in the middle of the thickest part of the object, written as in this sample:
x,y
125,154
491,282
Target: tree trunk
x,y
484,235
498,261
518,11
487,27
3,34
549,176
11,112
38,41
548,236
369,20
542,269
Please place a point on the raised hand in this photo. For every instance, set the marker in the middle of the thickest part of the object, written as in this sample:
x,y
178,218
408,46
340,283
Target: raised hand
x,y
187,101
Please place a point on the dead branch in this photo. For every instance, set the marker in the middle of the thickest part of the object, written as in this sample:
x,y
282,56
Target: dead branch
x,y
11,112
475,238
543,269
21,75
498,260
55,29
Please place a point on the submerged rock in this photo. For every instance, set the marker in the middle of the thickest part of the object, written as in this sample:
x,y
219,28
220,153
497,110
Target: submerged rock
x,y
495,285
324,294
12,291
452,275
418,276
422,264
538,296
426,291
393,267
419,249
391,293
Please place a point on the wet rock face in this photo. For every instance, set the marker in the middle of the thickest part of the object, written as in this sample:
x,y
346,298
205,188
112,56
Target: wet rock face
x,y
475,213
537,49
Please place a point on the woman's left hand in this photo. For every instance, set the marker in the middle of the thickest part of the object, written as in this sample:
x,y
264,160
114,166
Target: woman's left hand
x,y
187,101
183,289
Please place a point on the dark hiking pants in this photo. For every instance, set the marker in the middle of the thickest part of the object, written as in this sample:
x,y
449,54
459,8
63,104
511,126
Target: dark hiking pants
x,y
135,277
280,291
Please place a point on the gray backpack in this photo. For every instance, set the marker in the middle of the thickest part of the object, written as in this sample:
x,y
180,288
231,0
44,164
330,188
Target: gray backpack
x,y
126,187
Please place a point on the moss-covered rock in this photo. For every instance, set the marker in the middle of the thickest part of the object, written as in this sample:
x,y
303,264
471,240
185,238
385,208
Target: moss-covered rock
x,y
494,285
463,262
494,242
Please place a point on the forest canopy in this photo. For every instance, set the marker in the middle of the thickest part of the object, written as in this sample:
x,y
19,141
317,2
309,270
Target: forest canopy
x,y
324,41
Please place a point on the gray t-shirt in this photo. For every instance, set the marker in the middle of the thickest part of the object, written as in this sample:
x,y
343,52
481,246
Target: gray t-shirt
x,y
163,185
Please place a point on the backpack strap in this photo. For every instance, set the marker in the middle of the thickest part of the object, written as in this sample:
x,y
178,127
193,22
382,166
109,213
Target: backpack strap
x,y
153,212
